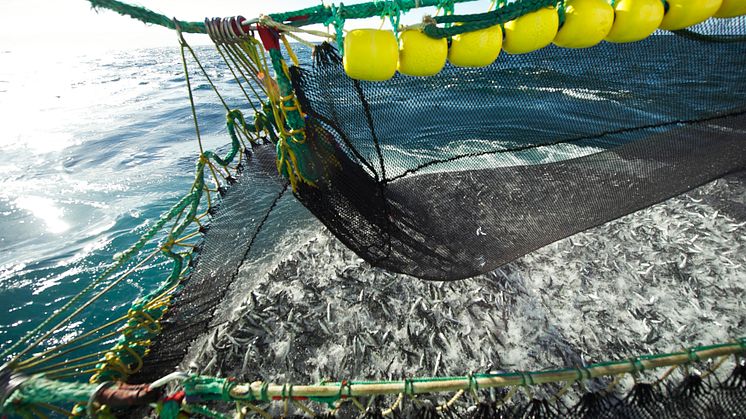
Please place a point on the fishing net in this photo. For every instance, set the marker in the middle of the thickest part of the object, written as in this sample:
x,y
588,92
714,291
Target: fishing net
x,y
451,176
235,227
440,178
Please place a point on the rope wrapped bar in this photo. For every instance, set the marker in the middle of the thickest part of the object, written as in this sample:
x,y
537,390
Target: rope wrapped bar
x,y
38,389
265,392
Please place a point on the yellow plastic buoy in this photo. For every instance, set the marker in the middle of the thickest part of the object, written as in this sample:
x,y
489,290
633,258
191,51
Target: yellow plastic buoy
x,y
531,31
635,20
420,55
587,22
731,8
370,54
476,49
684,13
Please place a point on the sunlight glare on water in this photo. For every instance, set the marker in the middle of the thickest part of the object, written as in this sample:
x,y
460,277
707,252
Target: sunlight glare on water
x,y
45,210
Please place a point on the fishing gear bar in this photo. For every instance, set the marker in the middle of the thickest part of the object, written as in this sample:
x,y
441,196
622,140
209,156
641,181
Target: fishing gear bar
x,y
18,391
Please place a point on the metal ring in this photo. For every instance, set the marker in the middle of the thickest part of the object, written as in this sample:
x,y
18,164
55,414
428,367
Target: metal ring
x,y
208,27
227,31
216,26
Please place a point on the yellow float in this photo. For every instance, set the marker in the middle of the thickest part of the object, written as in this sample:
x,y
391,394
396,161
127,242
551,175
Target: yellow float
x,y
732,8
531,31
684,13
476,49
635,20
587,22
370,54
420,55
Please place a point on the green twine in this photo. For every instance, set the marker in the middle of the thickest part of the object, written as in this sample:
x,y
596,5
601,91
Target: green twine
x,y
393,9
338,22
265,122
448,8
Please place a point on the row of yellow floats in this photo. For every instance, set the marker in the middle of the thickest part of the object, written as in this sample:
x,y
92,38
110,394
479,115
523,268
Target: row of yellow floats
x,y
374,55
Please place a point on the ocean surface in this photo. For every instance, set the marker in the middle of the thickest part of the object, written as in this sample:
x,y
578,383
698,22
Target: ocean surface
x,y
96,147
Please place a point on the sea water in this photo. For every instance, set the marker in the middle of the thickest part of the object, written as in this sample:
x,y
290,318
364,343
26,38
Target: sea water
x,y
94,149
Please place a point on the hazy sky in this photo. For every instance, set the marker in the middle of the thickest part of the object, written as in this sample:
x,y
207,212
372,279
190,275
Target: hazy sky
x,y
54,25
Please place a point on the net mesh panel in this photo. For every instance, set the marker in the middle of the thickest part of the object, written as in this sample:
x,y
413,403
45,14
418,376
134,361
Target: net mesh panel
x,y
454,175
233,229
450,176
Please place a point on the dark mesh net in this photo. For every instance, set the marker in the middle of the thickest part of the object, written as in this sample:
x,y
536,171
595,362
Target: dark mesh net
x,y
450,176
454,175
234,228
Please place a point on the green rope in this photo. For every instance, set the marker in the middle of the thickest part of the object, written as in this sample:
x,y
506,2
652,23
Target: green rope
x,y
147,16
37,389
479,21
133,344
320,14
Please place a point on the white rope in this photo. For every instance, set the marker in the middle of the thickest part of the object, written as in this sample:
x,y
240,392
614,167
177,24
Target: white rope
x,y
174,376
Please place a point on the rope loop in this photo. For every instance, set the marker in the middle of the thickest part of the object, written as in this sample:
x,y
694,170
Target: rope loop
x,y
526,379
286,398
393,9
583,373
473,386
226,25
228,386
210,32
409,387
693,355
263,392
637,366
